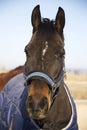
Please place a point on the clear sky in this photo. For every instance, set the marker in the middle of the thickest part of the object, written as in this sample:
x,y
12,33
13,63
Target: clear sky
x,y
16,30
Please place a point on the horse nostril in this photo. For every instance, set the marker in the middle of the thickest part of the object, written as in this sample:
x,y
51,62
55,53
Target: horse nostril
x,y
29,102
30,99
44,103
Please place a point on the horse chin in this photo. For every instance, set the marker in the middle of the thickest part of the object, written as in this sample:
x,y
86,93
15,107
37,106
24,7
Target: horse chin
x,y
37,115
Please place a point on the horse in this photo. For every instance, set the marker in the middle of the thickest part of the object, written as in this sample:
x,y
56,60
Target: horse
x,y
47,103
39,94
5,77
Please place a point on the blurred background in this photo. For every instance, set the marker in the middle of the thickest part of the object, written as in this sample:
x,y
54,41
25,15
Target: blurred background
x,y
16,31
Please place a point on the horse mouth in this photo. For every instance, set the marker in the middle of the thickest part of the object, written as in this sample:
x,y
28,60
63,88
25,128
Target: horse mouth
x,y
37,115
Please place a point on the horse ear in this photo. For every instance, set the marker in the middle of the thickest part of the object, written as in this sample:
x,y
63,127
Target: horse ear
x,y
36,17
60,20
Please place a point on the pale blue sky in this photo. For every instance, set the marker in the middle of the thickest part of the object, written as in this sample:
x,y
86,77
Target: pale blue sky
x,y
16,30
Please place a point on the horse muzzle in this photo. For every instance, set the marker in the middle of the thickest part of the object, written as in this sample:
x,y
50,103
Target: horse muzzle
x,y
37,107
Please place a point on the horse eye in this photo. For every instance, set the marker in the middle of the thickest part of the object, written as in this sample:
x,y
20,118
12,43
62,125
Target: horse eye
x,y
59,56
26,51
62,55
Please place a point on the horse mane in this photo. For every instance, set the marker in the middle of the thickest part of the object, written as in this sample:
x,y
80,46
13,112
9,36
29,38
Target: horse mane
x,y
47,22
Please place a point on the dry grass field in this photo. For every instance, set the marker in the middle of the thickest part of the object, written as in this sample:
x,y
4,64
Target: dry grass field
x,y
77,84
3,70
82,114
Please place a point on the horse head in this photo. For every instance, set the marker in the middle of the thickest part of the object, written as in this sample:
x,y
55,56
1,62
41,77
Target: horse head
x,y
44,62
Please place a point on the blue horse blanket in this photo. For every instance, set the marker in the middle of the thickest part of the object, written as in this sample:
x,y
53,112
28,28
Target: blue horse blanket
x,y
13,114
